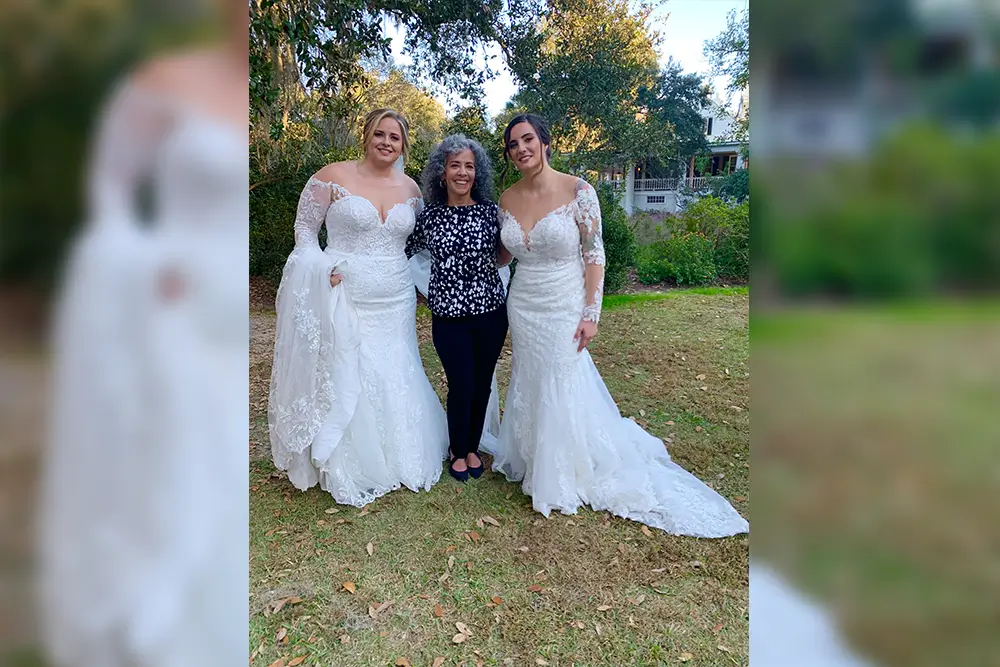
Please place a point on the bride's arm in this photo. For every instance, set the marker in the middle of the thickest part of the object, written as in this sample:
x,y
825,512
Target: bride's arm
x,y
592,248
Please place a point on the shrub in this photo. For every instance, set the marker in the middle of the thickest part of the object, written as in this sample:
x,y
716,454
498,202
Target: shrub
x,y
691,258
732,246
651,265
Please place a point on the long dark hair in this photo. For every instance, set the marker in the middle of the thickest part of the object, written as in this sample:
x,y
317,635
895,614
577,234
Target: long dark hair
x,y
541,129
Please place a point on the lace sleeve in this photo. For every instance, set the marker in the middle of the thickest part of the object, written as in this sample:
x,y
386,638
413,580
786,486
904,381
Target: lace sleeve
x,y
588,219
129,131
314,201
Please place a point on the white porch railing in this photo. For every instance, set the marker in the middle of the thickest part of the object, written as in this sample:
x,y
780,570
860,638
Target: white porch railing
x,y
665,184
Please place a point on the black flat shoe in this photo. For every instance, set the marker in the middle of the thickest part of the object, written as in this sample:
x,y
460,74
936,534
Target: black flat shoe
x,y
459,475
477,471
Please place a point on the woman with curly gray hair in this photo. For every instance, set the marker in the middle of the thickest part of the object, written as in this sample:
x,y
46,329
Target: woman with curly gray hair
x,y
466,296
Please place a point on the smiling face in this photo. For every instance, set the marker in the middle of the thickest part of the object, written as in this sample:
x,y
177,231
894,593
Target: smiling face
x,y
524,148
386,142
460,173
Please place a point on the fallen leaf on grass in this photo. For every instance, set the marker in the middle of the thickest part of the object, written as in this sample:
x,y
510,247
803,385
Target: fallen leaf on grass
x,y
321,522
370,548
474,536
535,588
280,662
350,588
296,661
717,627
458,491
438,610
479,523
332,510
510,495
698,429
402,662
459,638
282,633
443,578
523,550
541,661
345,639
364,511
438,662
496,599
451,562
646,531
700,376
579,625
463,628
490,520
597,628
604,607
724,649
448,549
684,657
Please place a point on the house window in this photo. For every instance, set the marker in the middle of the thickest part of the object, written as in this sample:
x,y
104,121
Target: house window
x,y
656,199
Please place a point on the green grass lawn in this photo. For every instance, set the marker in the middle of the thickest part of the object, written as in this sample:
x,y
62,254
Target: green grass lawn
x,y
875,452
395,583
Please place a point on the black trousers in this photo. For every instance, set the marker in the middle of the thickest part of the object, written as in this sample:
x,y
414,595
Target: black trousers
x,y
469,347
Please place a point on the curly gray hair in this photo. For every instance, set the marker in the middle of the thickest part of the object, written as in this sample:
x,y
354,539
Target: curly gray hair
x,y
433,175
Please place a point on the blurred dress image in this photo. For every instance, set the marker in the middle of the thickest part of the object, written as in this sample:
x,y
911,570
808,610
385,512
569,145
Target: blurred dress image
x,y
143,544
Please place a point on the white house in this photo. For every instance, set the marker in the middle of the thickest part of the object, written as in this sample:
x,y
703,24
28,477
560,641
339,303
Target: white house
x,y
651,186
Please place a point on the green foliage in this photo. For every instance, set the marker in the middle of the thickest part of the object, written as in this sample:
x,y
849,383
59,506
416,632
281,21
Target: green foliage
x,y
919,214
686,258
728,52
619,240
732,245
733,187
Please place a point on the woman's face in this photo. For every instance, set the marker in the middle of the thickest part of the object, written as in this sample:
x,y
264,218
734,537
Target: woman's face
x,y
386,144
524,148
460,173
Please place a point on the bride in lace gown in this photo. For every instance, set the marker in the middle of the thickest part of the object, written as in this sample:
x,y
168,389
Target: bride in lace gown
x,y
562,433
142,533
351,408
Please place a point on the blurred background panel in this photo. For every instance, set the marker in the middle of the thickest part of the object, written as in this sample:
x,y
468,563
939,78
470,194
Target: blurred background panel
x,y
59,63
876,324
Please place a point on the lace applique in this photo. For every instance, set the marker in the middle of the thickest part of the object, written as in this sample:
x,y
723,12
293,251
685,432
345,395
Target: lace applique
x,y
588,219
314,202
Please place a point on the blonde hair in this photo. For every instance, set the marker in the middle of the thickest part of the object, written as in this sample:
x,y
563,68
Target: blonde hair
x,y
375,117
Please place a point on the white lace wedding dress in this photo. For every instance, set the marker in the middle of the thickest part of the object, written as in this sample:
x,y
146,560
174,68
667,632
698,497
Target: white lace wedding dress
x,y
350,405
562,433
143,516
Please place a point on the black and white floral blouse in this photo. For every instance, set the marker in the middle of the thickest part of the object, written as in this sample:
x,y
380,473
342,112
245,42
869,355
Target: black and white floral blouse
x,y
463,240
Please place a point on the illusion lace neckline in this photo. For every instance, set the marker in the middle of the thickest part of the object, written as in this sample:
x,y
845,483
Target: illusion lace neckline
x,y
345,193
526,235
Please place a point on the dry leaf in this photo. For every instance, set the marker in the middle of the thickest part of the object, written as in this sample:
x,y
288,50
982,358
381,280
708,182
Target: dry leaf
x,y
497,599
597,627
383,634
621,548
474,536
438,662
570,522
280,662
443,578
321,522
684,657
479,523
580,625
296,661
739,499
510,495
448,549
350,588
438,610
523,550
332,510
604,607
658,570
458,491
372,611
345,639
490,520
282,633
451,562
463,628
459,638
370,548
364,511
646,531
614,561
642,413
535,588
724,649
717,627
698,429
402,662
540,661
640,599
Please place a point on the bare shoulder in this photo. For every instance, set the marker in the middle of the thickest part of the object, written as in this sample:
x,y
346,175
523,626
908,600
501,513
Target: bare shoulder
x,y
509,194
335,172
172,72
411,186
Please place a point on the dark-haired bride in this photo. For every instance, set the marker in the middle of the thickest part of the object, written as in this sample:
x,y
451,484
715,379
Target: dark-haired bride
x,y
562,433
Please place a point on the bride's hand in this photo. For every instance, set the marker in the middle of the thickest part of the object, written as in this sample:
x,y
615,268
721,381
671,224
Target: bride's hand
x,y
585,333
335,279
